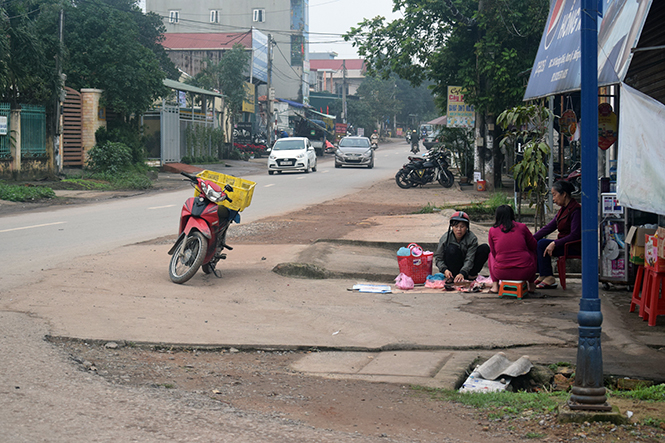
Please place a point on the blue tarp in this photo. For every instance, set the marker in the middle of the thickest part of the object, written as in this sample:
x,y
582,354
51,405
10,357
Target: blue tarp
x,y
557,66
292,103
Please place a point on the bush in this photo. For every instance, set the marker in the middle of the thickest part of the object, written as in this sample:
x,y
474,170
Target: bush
x,y
125,133
110,157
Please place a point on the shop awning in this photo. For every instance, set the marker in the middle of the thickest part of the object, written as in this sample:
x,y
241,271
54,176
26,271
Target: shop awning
x,y
178,86
292,103
556,68
439,121
332,117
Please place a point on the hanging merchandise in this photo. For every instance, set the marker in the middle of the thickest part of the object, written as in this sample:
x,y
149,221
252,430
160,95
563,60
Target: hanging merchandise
x,y
607,126
568,120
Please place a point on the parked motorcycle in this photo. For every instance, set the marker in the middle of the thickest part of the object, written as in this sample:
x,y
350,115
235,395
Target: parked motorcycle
x,y
422,170
574,176
204,221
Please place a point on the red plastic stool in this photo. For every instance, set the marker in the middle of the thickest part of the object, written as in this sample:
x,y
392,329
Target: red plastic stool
x,y
654,304
638,291
513,288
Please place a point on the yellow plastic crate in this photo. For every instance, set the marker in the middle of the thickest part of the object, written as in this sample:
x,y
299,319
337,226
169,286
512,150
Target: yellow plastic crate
x,y
243,190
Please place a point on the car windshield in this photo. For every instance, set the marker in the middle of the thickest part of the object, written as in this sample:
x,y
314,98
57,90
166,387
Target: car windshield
x,y
354,143
288,145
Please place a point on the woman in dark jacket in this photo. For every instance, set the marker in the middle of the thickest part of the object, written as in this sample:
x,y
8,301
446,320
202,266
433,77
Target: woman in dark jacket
x,y
458,255
568,222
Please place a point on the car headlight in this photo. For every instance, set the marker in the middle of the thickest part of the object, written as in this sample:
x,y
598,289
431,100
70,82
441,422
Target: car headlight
x,y
212,194
368,153
338,153
272,157
301,155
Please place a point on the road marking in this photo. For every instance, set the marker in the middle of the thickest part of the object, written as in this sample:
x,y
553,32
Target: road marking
x,y
34,226
267,186
300,178
161,207
325,171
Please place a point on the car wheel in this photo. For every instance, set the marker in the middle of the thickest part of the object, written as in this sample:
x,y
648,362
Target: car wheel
x,y
371,164
307,168
314,168
271,172
337,165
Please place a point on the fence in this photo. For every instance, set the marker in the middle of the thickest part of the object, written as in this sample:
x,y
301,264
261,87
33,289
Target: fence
x,y
33,131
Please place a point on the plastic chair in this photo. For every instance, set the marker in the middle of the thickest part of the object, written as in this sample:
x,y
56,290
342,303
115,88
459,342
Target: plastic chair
x,y
654,304
561,261
513,288
639,292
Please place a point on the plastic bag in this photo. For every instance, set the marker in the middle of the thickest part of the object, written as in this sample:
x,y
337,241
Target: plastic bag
x,y
436,281
403,281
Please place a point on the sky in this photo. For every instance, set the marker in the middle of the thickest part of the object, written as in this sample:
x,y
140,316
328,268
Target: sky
x,y
337,17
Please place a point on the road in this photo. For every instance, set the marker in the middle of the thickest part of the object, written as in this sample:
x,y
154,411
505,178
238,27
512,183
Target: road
x,y
41,240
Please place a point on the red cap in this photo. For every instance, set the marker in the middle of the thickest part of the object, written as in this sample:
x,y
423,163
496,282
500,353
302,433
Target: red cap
x,y
460,216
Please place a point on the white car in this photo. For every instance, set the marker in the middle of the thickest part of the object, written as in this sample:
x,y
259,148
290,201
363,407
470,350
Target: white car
x,y
292,154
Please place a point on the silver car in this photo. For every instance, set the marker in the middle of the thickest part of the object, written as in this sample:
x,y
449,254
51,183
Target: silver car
x,y
354,151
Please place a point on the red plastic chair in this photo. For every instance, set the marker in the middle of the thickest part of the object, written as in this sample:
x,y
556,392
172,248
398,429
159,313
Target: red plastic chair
x,y
561,261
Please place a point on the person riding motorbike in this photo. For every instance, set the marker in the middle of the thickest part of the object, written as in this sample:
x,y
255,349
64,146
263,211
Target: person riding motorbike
x,y
414,142
374,138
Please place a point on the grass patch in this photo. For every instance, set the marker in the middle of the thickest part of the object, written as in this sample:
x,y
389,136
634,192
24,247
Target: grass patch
x,y
500,404
651,393
105,181
428,209
24,193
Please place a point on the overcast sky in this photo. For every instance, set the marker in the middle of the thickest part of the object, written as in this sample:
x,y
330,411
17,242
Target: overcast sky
x,y
337,17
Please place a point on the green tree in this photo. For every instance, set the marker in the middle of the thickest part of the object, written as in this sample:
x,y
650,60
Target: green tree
x,y
109,47
359,113
484,46
380,96
529,124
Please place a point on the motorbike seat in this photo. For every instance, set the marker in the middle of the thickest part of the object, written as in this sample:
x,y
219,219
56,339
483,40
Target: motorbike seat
x,y
428,164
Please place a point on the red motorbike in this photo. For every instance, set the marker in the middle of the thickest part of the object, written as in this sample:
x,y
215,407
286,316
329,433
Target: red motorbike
x,y
204,222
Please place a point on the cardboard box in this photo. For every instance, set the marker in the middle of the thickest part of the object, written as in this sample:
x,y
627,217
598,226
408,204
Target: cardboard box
x,y
635,238
660,232
651,253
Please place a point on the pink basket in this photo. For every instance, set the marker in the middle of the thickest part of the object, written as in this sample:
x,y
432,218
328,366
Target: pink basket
x,y
418,268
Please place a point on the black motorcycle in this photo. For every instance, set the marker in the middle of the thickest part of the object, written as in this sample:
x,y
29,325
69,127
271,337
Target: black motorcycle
x,y
422,170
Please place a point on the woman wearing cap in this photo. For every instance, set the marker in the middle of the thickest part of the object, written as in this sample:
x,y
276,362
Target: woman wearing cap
x,y
458,255
568,222
512,250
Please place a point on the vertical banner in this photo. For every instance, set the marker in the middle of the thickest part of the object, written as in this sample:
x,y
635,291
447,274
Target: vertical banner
x,y
250,98
459,114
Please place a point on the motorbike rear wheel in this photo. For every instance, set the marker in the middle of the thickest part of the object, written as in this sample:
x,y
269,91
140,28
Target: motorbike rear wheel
x,y
188,257
446,178
402,179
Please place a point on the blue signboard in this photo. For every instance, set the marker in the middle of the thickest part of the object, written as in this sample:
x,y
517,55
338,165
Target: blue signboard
x,y
260,55
557,66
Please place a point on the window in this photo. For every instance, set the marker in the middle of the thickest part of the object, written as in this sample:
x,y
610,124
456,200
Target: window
x,y
214,16
259,15
174,16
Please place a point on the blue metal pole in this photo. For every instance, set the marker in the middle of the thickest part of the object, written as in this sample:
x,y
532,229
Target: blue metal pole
x,y
588,392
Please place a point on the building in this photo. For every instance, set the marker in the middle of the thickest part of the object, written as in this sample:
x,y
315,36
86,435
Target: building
x,y
286,21
327,75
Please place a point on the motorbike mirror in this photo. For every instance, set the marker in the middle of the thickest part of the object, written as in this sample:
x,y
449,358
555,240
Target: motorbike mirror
x,y
228,188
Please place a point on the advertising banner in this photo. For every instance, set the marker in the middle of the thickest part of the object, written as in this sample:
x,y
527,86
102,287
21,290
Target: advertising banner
x,y
459,114
250,98
640,176
557,67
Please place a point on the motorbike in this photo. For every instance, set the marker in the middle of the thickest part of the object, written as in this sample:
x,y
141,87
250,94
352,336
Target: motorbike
x,y
574,176
422,170
204,222
415,148
375,145
408,137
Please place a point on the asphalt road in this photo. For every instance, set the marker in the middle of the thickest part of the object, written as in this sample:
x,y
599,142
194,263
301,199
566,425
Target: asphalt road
x,y
41,240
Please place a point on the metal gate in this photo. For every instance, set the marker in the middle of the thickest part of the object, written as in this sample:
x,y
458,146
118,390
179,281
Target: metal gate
x,y
5,148
170,134
72,141
33,131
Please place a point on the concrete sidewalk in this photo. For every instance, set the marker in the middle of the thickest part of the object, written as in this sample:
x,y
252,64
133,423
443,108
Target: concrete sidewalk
x,y
424,336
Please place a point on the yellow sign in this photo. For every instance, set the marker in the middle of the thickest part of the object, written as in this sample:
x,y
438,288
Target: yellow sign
x,y
250,98
459,114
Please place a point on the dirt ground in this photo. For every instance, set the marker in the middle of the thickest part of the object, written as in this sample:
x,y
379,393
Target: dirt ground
x,y
263,381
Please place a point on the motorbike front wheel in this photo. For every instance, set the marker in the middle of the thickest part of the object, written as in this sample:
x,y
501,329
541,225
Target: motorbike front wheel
x,y
402,179
188,257
446,178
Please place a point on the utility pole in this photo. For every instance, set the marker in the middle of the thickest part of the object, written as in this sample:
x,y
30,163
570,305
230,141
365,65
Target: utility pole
x,y
270,96
60,97
343,91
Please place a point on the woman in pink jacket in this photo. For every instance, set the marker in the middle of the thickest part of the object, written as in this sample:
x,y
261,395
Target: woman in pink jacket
x,y
512,250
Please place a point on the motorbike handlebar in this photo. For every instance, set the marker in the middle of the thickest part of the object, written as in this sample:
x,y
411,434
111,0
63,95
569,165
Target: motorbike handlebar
x,y
192,177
